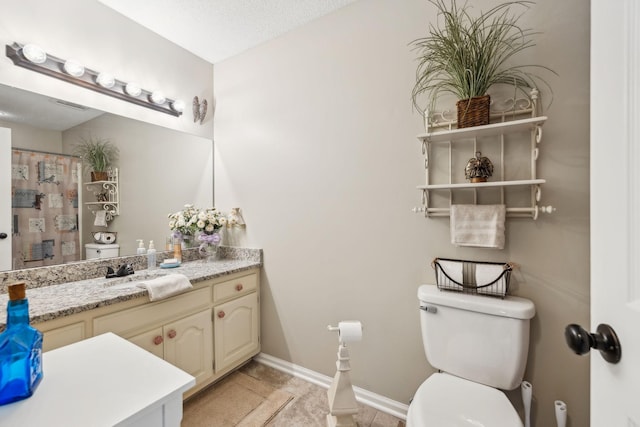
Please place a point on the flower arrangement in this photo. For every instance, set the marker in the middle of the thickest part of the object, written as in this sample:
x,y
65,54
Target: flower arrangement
x,y
183,222
210,220
191,221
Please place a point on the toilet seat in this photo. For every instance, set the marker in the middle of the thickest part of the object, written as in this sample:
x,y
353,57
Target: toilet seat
x,y
444,400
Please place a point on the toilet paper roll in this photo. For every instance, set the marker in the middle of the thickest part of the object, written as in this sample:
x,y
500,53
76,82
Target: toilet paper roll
x,y
350,331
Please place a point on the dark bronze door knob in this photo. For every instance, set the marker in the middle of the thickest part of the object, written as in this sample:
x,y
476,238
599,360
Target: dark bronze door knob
x,y
604,340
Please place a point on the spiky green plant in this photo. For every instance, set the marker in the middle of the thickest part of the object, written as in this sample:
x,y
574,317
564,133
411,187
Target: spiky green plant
x,y
97,154
465,55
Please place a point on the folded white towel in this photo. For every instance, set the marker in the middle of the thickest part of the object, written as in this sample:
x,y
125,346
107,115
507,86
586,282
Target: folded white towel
x,y
101,218
166,286
478,225
487,273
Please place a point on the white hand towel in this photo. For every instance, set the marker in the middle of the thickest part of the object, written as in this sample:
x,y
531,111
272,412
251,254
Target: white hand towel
x,y
487,273
166,286
101,218
478,225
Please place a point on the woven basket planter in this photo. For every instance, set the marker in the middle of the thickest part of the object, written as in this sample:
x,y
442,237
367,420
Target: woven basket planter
x,y
473,111
99,176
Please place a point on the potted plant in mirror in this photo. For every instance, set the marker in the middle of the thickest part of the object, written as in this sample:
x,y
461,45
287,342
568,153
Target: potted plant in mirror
x,y
465,55
97,155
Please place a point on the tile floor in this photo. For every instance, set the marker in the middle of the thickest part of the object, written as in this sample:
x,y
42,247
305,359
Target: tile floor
x,y
309,407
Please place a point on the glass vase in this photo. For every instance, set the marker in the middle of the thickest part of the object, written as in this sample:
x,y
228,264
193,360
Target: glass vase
x,y
209,243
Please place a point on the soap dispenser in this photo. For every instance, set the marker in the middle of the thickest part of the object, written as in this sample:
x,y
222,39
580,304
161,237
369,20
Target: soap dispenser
x,y
141,250
151,256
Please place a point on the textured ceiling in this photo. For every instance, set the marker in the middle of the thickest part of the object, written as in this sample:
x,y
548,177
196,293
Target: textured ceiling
x,y
218,29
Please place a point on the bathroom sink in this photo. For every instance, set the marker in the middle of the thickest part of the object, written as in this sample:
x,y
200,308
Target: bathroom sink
x,y
132,280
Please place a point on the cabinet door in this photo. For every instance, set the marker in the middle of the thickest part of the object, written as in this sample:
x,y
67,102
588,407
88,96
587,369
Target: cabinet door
x,y
236,330
188,344
65,335
152,341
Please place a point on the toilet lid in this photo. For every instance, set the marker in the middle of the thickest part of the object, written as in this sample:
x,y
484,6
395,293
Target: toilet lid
x,y
444,400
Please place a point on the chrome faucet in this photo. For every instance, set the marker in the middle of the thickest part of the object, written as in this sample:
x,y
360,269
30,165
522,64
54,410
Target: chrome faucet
x,y
123,270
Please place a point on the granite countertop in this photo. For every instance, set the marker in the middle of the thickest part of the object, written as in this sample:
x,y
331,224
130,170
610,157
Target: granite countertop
x,y
64,299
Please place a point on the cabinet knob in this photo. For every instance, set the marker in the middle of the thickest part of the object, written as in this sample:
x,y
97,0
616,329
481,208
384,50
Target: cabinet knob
x,y
221,314
171,333
239,287
158,340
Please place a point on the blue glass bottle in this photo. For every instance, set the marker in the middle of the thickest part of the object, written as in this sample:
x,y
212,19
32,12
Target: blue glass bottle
x,y
20,350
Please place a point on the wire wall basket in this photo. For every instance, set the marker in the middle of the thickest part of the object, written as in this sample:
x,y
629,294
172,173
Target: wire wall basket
x,y
473,277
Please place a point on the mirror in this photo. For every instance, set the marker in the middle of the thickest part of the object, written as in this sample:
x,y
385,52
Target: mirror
x,y
159,169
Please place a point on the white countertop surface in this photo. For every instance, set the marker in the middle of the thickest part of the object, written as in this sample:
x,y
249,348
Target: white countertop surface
x,y
101,381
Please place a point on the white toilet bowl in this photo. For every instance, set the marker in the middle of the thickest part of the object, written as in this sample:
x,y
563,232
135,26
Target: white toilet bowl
x,y
444,400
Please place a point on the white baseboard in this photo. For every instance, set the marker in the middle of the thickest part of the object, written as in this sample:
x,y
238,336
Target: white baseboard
x,y
381,403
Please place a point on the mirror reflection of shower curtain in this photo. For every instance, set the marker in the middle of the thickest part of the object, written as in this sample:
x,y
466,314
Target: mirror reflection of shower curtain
x,y
44,204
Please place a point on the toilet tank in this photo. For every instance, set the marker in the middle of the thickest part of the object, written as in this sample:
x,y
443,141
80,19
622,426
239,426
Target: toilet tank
x,y
102,250
480,338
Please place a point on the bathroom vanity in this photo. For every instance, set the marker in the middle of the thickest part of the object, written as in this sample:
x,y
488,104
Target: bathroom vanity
x,y
102,381
207,331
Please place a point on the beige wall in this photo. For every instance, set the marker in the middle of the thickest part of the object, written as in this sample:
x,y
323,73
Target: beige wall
x,y
104,40
315,140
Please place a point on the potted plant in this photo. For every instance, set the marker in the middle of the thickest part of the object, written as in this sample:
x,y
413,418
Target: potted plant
x,y
97,155
465,55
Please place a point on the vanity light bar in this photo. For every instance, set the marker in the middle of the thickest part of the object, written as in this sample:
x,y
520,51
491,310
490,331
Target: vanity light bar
x,y
37,60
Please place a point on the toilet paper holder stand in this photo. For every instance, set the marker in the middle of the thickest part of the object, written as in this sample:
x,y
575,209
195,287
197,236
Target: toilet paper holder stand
x,y
342,400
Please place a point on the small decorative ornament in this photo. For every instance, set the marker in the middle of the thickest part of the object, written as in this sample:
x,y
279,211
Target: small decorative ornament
x,y
196,109
199,110
478,168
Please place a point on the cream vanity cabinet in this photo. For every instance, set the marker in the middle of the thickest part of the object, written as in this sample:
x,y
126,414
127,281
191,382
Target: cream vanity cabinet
x,y
170,330
236,326
207,332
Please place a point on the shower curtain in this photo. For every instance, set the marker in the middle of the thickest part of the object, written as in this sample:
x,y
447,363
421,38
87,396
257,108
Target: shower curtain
x,y
44,203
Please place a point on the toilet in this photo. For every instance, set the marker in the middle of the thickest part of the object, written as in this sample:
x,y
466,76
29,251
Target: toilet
x,y
101,250
479,344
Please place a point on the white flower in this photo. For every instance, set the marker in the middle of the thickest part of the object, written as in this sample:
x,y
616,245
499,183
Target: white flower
x,y
200,224
209,228
181,222
202,215
222,220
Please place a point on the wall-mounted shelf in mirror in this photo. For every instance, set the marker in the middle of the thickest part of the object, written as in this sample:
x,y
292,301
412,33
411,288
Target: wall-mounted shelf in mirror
x,y
107,196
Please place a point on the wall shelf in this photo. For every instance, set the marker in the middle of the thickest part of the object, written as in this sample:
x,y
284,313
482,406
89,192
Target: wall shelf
x,y
107,196
472,185
513,126
521,135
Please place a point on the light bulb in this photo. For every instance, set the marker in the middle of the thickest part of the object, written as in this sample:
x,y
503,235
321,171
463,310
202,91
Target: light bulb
x,y
133,89
74,68
177,106
34,53
106,80
157,97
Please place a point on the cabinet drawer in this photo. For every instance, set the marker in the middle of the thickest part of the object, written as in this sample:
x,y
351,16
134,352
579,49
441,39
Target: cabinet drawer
x,y
127,322
235,287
